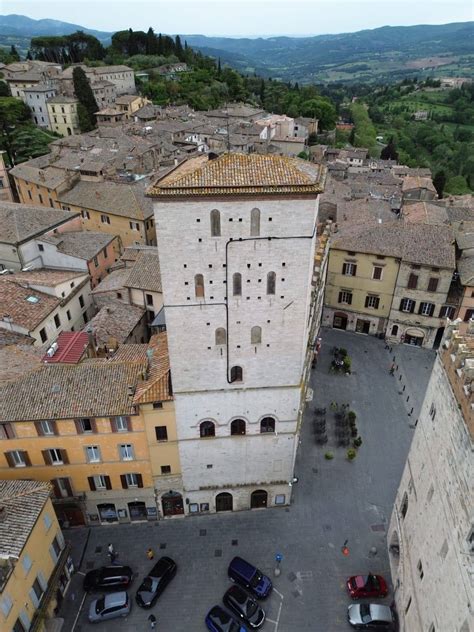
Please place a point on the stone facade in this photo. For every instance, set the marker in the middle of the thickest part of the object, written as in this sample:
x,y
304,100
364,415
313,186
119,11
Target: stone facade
x,y
238,437
431,534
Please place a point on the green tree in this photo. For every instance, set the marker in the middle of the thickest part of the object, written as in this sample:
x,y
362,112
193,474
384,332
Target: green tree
x,y
4,89
457,185
151,42
84,94
14,53
322,109
389,152
439,182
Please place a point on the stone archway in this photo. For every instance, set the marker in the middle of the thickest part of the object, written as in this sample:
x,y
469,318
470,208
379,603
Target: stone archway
x,y
258,499
224,502
172,504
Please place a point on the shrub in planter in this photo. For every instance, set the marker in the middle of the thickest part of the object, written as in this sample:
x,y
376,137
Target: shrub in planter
x,y
354,431
342,352
357,442
328,456
351,454
347,364
351,416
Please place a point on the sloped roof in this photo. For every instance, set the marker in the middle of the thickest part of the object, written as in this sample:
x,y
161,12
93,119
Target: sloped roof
x,y
423,244
124,199
157,387
145,273
66,391
417,182
20,222
81,244
115,320
23,502
14,303
114,281
18,358
237,174
71,347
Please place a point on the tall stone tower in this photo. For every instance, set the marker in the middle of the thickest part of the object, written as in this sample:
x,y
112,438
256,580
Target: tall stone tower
x,y
236,240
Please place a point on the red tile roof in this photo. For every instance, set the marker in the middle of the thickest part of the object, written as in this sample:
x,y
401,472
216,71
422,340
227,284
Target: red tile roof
x,y
71,347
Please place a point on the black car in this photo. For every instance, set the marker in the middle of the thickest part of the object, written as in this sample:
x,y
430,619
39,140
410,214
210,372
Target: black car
x,y
218,620
108,578
155,582
244,606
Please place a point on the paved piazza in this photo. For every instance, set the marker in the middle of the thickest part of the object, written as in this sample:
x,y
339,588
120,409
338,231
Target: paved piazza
x,y
333,502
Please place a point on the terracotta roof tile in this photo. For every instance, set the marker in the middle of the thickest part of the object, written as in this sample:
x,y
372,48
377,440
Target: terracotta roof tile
x,y
71,347
157,387
145,272
237,174
23,312
115,321
20,222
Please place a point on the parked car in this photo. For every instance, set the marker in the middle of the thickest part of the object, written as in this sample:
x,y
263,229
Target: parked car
x,y
155,582
244,606
218,620
111,606
371,616
249,577
108,578
363,586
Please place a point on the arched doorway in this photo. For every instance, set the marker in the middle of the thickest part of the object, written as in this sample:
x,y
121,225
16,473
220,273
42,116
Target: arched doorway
x,y
394,547
339,320
438,338
107,512
258,498
137,510
414,337
224,502
172,504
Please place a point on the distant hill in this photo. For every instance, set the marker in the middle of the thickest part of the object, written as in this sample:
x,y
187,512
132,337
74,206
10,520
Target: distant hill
x,y
388,53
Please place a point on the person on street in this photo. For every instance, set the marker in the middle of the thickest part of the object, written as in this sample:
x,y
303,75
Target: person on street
x,y
111,552
392,369
150,555
152,620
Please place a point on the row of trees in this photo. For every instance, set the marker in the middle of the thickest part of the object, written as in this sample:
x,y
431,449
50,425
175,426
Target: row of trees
x,y
66,49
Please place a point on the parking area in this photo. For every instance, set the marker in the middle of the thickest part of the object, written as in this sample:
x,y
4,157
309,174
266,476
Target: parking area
x,y
335,503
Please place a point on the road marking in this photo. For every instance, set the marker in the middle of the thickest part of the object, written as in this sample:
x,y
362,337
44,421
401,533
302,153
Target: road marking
x,y
80,573
271,621
78,613
278,593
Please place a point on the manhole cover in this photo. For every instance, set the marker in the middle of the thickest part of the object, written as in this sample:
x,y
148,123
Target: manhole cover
x,y
163,545
305,575
235,542
327,527
98,549
202,531
291,577
89,565
218,553
377,527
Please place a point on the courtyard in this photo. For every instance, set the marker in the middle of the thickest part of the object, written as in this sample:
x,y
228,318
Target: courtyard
x,y
335,503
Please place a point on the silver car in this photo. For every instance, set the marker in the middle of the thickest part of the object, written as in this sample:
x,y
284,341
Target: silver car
x,y
371,616
112,606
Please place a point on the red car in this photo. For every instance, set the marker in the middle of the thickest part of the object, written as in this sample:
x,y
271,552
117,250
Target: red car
x,y
362,586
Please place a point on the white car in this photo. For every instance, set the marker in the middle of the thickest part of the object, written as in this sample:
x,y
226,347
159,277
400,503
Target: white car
x,y
371,616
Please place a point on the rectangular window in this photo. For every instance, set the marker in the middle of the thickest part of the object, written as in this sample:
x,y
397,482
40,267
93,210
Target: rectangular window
x,y
100,482
105,219
345,297
6,431
419,566
426,309
86,425
47,521
81,301
433,284
161,433
43,335
93,454
29,195
349,269
433,412
57,321
408,605
40,198
121,424
377,273
126,452
412,281
105,253
134,225
68,314
26,563
157,405
149,299
6,604
47,427
372,301
16,458
166,469
19,627
56,457
55,549
85,214
407,305
132,480
41,247
96,262
36,593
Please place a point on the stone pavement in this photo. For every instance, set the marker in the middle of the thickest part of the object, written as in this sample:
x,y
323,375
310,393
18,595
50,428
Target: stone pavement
x,y
333,502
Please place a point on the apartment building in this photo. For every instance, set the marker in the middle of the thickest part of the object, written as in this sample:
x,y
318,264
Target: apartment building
x,y
35,566
101,430
237,274
36,98
431,532
63,116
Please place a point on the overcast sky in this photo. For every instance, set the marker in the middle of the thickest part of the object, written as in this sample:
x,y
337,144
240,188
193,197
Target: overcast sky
x,y
246,17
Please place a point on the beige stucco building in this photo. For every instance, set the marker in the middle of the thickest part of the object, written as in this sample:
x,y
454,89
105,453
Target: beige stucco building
x,y
431,533
63,118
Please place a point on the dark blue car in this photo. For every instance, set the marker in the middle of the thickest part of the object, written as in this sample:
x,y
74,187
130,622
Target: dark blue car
x,y
218,620
249,577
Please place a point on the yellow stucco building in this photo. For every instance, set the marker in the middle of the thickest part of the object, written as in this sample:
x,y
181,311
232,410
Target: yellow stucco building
x,y
63,117
34,559
101,430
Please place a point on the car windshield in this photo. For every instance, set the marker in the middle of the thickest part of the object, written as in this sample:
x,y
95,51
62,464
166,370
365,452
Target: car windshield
x,y
256,579
365,612
100,605
251,608
148,584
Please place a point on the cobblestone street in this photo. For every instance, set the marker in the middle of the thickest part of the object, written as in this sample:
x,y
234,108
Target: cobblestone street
x,y
335,501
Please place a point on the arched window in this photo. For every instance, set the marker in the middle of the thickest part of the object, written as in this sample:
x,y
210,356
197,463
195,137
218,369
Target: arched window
x,y
267,425
237,284
394,330
215,223
199,285
220,336
256,335
237,427
236,374
255,222
207,429
404,505
271,282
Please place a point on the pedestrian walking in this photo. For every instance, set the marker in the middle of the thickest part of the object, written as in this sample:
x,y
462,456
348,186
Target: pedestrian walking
x,y
152,620
150,555
111,552
392,369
